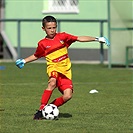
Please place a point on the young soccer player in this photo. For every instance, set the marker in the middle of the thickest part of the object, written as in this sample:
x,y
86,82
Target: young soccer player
x,y
54,48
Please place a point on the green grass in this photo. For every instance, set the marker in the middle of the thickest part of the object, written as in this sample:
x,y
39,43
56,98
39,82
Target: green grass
x,y
109,111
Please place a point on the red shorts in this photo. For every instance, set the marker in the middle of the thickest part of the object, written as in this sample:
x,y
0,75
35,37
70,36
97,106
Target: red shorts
x,y
63,82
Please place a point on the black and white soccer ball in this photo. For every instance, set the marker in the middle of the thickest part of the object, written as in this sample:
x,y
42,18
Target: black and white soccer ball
x,y
50,112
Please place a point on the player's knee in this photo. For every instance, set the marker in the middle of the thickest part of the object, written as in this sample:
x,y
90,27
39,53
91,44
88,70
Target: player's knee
x,y
52,84
67,97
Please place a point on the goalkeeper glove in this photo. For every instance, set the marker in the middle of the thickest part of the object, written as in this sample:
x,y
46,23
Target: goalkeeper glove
x,y
103,40
20,63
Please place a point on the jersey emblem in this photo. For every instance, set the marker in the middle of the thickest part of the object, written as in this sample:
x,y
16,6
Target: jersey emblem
x,y
61,41
48,47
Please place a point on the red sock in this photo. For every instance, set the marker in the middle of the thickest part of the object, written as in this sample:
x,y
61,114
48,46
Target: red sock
x,y
45,98
58,101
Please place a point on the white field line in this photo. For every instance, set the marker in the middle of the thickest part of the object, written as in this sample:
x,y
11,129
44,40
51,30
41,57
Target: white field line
x,y
76,83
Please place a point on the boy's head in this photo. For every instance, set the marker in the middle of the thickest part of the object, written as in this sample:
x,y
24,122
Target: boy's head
x,y
48,19
49,25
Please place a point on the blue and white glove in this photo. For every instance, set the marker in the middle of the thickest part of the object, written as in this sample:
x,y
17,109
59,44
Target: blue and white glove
x,y
20,63
103,40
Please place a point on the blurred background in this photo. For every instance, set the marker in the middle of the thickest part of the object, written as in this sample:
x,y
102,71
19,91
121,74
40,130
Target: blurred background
x,y
20,28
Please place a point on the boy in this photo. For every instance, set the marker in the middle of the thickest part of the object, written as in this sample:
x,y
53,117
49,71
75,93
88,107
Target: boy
x,y
54,48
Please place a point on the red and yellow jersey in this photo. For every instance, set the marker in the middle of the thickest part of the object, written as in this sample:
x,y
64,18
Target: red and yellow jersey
x,y
56,54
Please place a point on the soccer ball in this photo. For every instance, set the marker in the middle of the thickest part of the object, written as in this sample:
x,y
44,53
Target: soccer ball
x,y
50,112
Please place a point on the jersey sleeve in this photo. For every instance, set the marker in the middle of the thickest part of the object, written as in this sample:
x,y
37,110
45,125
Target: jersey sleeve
x,y
40,51
69,39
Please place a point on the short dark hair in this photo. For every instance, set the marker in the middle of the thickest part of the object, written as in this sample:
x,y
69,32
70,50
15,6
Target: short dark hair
x,y
48,19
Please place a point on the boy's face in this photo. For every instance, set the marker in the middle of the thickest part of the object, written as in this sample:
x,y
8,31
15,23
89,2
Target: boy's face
x,y
50,29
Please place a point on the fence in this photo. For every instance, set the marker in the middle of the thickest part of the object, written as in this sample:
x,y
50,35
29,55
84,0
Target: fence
x,y
59,21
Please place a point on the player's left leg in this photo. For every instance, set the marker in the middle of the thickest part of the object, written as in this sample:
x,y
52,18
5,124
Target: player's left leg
x,y
67,95
65,86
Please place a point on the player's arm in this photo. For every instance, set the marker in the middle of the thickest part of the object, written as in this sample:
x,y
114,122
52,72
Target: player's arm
x,y
90,39
21,62
30,58
85,39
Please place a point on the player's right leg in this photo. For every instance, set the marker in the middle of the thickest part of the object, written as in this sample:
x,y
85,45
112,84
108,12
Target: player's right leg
x,y
45,97
48,92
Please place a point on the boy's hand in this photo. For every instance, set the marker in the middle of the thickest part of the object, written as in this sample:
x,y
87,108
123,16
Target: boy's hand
x,y
20,63
103,40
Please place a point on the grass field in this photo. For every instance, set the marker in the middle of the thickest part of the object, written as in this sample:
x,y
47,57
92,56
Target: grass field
x,y
109,111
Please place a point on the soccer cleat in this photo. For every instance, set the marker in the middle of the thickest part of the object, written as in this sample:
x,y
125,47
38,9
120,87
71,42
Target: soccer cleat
x,y
38,115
